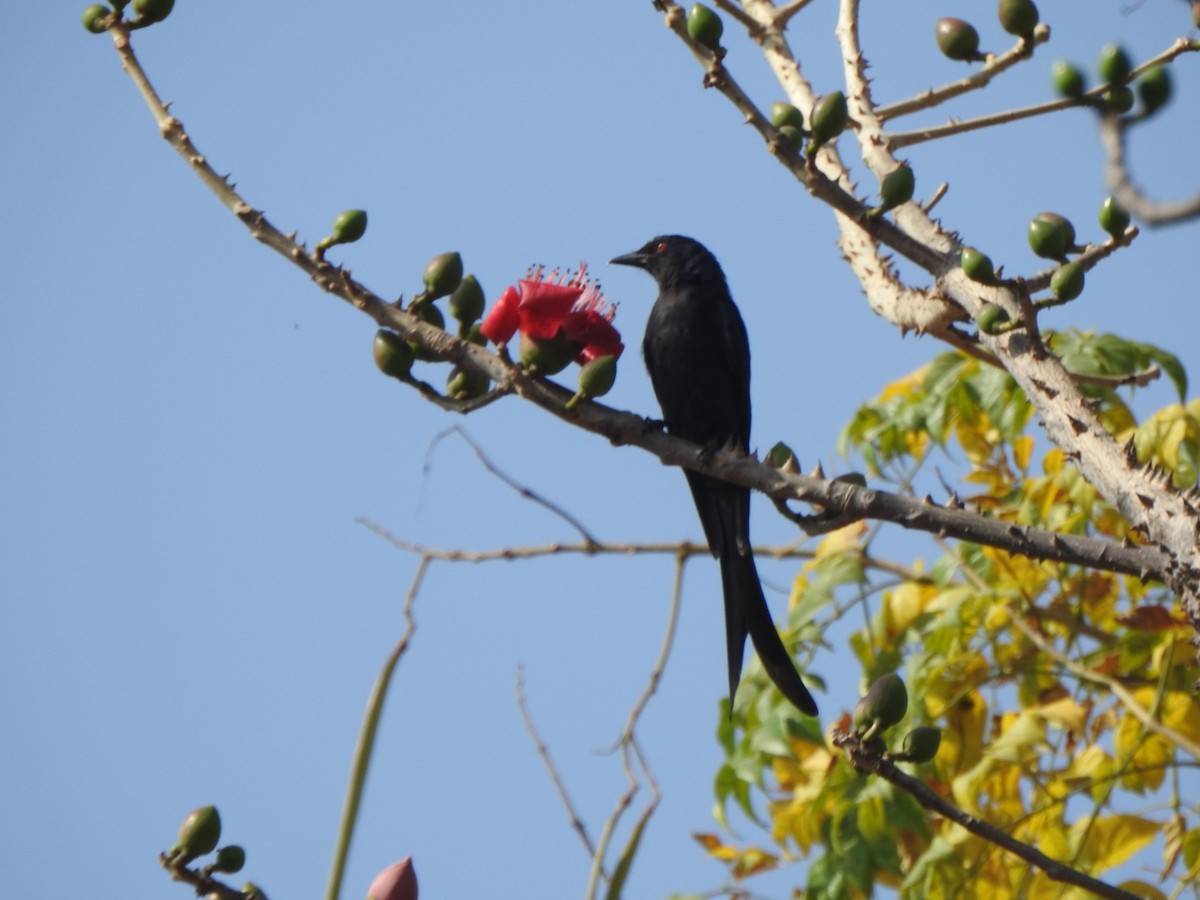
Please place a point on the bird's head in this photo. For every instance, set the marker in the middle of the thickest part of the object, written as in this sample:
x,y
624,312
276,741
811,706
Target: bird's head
x,y
673,259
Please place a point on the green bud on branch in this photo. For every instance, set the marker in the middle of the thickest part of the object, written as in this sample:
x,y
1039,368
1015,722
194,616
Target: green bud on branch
x,y
921,744
1067,283
94,17
786,114
348,227
705,27
958,40
1018,17
392,353
199,834
1068,80
1113,217
1114,65
442,276
829,119
596,379
977,266
1051,236
467,303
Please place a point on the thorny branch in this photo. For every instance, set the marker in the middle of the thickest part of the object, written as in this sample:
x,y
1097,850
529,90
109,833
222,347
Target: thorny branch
x,y
1168,518
623,428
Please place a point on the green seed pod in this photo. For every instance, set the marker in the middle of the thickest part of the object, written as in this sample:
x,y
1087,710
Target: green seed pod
x,y
1114,65
875,746
465,385
1068,80
921,744
1051,236
431,315
1119,99
977,266
252,890
792,135
705,26
596,379
958,40
229,859
829,119
200,832
887,701
1155,89
786,114
1067,283
547,357
392,353
1113,217
443,275
348,227
93,18
474,336
779,455
895,188
990,318
153,10
861,718
1018,17
467,303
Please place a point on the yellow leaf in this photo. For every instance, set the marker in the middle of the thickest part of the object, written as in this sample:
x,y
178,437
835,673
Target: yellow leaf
x,y
962,738
843,540
1110,841
1065,712
1191,848
715,847
904,604
910,385
1179,712
1088,767
1141,889
753,861
1022,451
1052,840
1020,732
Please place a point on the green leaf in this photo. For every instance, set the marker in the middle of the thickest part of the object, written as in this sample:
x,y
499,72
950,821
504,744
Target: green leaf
x,y
1170,364
621,872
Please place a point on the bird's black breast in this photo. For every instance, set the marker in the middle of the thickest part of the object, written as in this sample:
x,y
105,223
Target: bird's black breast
x,y
698,358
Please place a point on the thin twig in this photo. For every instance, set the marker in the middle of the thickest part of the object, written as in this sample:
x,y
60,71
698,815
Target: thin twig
x,y
1126,193
1093,97
784,13
664,654
544,752
525,491
366,739
993,67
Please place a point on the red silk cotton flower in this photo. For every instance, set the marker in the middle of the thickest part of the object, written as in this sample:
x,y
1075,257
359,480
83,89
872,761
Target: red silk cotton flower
x,y
559,320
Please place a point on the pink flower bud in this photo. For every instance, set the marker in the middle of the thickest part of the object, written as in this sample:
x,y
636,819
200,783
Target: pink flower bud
x,y
397,882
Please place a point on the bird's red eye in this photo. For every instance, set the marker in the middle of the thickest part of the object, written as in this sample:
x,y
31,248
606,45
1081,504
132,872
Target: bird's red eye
x,y
661,248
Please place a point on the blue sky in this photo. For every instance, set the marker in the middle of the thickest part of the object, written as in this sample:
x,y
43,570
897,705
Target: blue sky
x,y
191,613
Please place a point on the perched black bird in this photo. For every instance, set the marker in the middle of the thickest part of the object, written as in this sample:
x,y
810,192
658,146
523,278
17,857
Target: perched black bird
x,y
699,362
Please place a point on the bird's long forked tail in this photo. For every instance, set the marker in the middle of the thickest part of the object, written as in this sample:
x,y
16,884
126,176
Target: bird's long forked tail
x,y
746,612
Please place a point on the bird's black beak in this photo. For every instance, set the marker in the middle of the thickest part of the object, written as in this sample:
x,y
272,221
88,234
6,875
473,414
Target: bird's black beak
x,y
638,259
